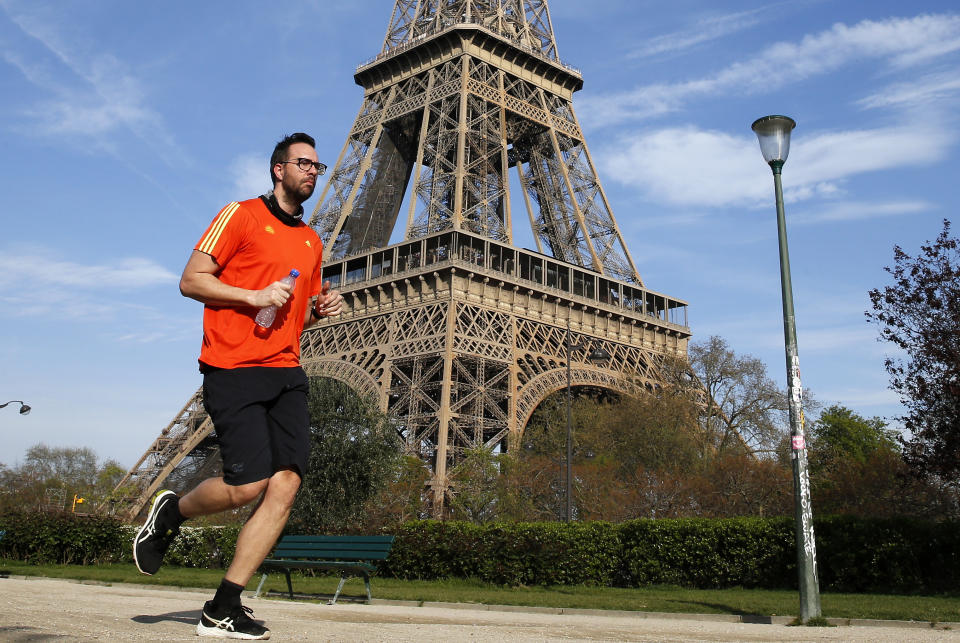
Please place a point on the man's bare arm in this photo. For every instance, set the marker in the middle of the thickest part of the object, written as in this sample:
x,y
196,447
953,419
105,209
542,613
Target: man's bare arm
x,y
199,281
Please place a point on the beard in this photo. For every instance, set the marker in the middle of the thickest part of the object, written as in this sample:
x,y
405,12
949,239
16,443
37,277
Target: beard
x,y
299,188
306,190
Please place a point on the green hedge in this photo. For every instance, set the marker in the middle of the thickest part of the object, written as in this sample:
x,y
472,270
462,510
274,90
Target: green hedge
x,y
61,539
854,554
734,552
506,553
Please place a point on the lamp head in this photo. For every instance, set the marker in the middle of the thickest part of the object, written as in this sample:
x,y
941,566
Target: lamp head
x,y
598,356
773,132
24,409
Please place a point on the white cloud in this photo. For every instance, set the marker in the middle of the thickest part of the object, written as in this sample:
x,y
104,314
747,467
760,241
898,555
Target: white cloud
x,y
856,211
100,95
37,268
926,90
901,42
705,29
250,175
688,166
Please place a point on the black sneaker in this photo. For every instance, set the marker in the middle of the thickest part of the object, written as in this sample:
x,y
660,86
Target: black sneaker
x,y
230,623
157,533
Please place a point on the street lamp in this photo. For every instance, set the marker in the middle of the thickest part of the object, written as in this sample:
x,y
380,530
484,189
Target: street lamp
x,y
773,132
596,356
24,409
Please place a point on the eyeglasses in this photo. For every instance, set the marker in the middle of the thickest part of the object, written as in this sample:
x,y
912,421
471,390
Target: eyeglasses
x,y
306,164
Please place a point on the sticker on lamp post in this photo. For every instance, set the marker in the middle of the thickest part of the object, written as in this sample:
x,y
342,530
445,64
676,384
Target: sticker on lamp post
x,y
798,442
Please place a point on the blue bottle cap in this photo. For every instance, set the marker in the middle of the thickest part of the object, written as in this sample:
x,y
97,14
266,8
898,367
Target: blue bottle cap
x,y
294,273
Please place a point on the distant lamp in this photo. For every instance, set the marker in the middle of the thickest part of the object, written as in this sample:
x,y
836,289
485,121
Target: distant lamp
x,y
598,356
24,409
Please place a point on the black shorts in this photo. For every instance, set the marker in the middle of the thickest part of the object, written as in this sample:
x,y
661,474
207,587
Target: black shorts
x,y
261,420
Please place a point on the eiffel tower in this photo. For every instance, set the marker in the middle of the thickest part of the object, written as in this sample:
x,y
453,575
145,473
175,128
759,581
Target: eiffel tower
x,y
455,330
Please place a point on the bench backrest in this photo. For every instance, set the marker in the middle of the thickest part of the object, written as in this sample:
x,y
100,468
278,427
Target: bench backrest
x,y
334,547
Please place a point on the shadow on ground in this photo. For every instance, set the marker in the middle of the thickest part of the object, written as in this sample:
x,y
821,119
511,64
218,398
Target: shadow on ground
x,y
745,617
23,634
190,617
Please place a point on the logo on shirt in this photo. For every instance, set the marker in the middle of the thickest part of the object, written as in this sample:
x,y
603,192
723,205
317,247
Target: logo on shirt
x,y
269,229
308,243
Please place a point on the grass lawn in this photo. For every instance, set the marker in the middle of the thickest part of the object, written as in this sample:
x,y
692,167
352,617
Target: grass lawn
x,y
935,609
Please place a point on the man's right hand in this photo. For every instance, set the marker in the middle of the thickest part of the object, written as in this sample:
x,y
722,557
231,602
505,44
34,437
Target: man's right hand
x,y
276,294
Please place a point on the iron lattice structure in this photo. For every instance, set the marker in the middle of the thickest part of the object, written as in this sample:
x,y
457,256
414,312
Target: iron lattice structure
x,y
455,330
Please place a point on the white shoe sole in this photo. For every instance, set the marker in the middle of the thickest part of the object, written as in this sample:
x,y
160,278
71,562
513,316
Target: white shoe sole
x,y
220,633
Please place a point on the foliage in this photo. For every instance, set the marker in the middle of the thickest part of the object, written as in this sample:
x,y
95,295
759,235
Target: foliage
x,y
638,457
920,314
506,553
840,435
354,452
855,554
61,538
476,487
401,499
887,554
49,477
856,468
203,547
745,552
744,406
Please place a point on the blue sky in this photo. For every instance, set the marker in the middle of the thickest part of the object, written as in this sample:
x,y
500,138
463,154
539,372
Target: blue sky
x,y
124,127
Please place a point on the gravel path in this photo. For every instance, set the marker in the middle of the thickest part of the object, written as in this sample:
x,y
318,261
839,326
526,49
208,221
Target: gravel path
x,y
60,610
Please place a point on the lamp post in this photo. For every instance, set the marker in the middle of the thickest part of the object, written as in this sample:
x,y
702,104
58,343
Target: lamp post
x,y
773,133
596,356
24,409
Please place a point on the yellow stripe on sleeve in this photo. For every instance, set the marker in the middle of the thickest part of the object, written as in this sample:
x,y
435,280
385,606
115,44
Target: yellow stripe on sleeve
x,y
209,242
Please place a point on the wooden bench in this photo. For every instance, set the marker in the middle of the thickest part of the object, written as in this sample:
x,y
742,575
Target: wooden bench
x,y
350,555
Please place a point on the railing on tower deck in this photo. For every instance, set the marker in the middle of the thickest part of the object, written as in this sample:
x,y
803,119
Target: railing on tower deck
x,y
473,23
520,266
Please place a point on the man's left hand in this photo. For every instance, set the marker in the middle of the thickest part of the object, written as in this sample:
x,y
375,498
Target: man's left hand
x,y
329,302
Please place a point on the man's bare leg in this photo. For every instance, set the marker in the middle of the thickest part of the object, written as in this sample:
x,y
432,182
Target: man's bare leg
x,y
262,529
213,495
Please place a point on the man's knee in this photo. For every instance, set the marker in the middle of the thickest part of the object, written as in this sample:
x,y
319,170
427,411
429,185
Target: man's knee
x,y
283,486
244,494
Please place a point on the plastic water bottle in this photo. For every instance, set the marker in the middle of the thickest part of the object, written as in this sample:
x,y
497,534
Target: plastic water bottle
x,y
268,313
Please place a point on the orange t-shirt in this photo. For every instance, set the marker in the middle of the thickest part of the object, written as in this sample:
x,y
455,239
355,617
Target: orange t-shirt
x,y
254,249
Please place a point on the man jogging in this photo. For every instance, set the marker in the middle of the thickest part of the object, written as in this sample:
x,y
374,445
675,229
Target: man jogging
x,y
253,387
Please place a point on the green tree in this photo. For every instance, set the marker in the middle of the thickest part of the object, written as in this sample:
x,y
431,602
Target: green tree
x,y
66,470
402,498
476,487
920,314
840,436
355,450
856,468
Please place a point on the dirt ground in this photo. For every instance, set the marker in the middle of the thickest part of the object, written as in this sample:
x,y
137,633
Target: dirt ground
x,y
59,610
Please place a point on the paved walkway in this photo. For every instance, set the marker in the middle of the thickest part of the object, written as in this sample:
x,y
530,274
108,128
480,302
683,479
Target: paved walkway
x,y
37,610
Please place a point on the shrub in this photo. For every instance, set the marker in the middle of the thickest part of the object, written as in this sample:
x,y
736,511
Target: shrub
x,y
854,554
58,538
693,552
506,553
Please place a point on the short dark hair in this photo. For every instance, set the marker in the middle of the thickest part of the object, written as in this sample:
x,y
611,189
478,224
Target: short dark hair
x,y
280,151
